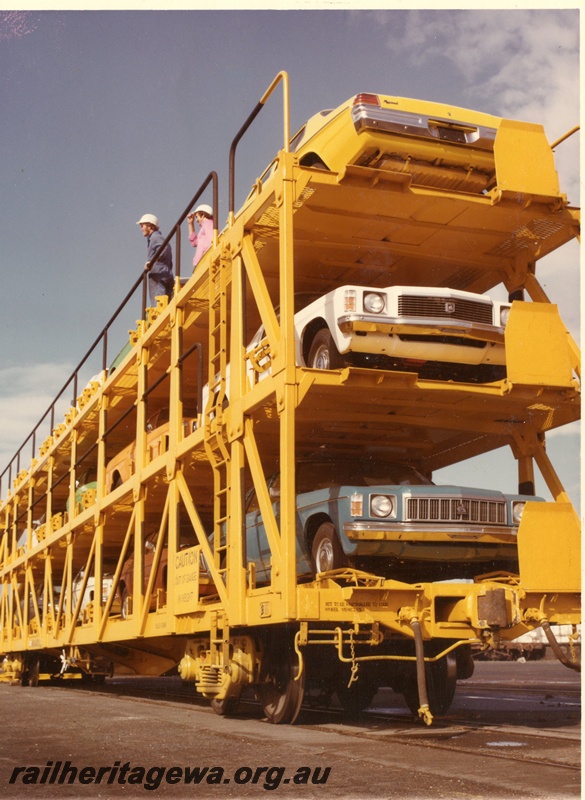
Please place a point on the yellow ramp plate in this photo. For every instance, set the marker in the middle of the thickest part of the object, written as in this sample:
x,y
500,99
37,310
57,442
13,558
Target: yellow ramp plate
x,y
549,548
537,347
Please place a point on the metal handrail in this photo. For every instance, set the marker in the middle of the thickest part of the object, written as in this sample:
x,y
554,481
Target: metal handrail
x,y
103,336
282,76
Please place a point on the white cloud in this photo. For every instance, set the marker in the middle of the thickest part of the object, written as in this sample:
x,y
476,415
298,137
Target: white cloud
x,y
524,63
515,63
25,395
571,431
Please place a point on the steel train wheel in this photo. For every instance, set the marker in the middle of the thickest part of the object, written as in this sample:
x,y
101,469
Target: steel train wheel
x,y
226,707
30,676
358,696
34,672
441,683
279,693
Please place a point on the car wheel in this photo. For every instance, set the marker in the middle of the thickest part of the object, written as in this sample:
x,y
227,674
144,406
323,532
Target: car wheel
x,y
326,551
323,354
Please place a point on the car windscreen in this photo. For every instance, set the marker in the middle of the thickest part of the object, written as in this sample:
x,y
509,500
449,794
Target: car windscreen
x,y
321,475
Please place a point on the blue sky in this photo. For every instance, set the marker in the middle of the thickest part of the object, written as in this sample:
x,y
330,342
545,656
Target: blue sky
x,y
107,115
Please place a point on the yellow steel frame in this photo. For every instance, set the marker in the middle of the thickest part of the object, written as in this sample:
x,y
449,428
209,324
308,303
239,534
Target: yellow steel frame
x,y
258,263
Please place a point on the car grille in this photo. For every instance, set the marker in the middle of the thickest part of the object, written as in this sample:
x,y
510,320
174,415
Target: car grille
x,y
446,308
443,509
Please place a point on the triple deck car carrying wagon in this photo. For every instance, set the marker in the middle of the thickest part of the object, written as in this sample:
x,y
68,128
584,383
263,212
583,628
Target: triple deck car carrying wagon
x,y
259,513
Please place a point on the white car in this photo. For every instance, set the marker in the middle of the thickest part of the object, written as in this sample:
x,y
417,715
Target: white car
x,y
439,333
89,594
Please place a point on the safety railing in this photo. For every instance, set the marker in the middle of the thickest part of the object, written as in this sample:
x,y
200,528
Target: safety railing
x,y
14,466
72,384
282,76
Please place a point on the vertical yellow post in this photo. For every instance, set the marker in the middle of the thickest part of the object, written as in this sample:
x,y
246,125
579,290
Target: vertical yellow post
x,y
529,445
526,475
176,415
98,592
139,500
49,512
29,513
172,543
68,583
175,394
72,481
49,602
288,399
236,575
12,610
99,531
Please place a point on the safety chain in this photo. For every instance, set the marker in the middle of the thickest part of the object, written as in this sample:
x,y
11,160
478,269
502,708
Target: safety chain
x,y
572,639
354,663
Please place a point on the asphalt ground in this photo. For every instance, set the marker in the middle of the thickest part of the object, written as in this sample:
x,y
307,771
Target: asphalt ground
x,y
513,732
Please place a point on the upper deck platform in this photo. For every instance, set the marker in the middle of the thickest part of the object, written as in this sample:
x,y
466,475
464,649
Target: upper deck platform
x,y
378,228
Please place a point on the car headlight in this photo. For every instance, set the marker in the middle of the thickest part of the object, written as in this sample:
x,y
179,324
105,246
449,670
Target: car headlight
x,y
381,505
374,302
517,511
504,315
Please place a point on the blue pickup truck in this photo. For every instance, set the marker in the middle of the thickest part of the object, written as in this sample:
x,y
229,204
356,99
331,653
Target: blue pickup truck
x,y
390,519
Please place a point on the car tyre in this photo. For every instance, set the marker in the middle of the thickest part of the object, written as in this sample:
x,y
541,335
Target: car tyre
x,y
326,551
323,354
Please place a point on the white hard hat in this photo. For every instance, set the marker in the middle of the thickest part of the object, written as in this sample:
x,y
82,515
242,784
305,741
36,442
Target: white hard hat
x,y
148,218
205,209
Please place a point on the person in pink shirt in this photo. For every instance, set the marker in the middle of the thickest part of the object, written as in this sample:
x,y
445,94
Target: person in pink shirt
x,y
201,241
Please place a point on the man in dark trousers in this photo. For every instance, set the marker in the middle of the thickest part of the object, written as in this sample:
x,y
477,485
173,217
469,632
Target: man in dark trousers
x,y
160,278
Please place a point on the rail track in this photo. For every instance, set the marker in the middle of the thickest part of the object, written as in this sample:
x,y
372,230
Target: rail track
x,y
550,743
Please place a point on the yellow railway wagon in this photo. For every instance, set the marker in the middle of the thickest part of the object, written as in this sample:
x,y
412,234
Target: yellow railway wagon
x,y
219,503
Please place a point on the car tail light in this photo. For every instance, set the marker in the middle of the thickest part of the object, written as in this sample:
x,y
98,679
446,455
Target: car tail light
x,y
366,100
